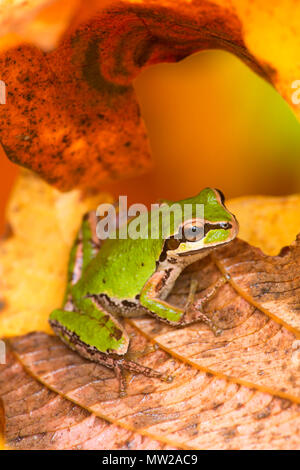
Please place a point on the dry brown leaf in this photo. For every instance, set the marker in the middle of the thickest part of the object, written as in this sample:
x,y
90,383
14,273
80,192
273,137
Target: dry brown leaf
x,y
253,349
271,283
37,418
195,411
72,114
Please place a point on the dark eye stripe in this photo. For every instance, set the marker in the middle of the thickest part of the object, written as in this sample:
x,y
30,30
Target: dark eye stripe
x,y
173,243
220,226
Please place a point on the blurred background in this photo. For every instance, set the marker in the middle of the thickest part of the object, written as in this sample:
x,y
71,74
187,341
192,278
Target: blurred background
x,y
211,122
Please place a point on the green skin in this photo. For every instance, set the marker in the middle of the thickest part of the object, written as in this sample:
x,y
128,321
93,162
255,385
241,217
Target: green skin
x,y
127,277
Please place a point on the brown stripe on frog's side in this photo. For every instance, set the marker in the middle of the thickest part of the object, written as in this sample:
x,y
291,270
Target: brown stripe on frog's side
x,y
128,304
91,218
106,300
78,263
126,307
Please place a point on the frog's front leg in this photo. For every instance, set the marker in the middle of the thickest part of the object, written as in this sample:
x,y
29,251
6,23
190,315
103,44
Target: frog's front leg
x,y
155,288
194,309
152,293
98,336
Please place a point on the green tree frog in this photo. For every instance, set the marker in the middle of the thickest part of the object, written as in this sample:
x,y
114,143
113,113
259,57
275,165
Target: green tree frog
x,y
127,277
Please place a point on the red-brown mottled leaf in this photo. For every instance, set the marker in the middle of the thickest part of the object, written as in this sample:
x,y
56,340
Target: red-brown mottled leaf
x,y
271,283
196,411
72,115
37,418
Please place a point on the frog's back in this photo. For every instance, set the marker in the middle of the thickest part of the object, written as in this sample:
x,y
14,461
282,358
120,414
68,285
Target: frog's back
x,y
121,268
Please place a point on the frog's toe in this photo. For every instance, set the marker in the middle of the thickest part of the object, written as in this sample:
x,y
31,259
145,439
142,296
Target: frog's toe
x,y
135,368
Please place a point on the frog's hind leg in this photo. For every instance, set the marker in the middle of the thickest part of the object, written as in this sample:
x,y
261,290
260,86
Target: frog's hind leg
x,y
98,336
123,364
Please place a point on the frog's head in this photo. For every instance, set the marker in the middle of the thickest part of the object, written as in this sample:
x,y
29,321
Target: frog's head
x,y
215,227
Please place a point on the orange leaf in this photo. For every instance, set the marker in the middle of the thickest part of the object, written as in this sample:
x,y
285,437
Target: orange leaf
x,y
72,114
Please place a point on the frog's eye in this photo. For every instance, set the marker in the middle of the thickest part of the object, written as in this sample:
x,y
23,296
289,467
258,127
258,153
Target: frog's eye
x,y
192,232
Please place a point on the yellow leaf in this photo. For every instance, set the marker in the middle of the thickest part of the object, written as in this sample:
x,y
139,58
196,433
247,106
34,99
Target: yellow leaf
x,y
267,222
33,259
